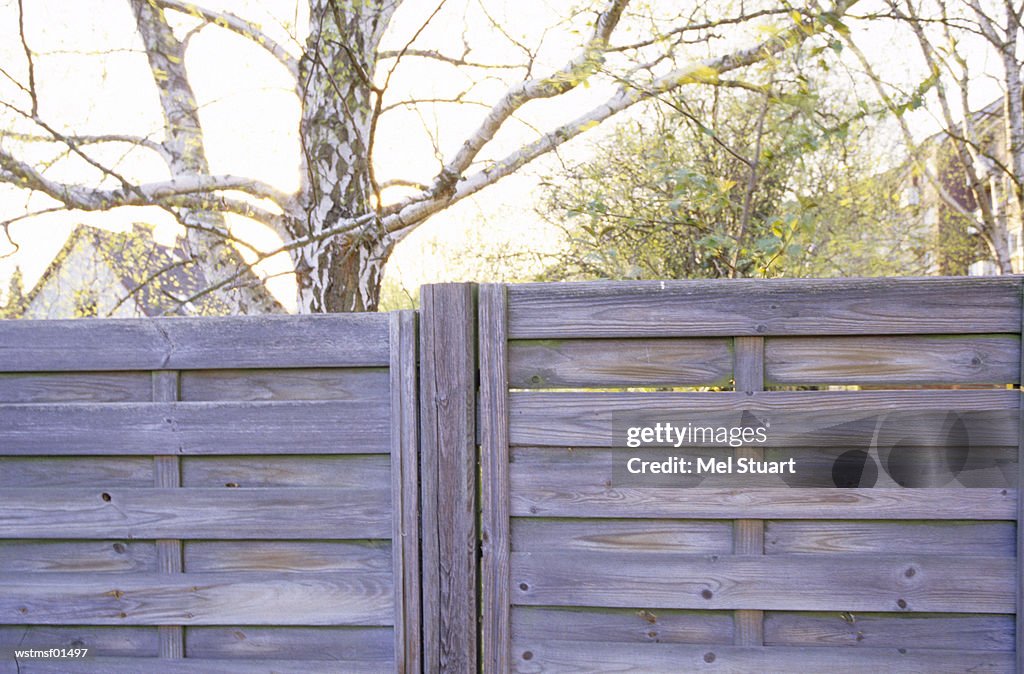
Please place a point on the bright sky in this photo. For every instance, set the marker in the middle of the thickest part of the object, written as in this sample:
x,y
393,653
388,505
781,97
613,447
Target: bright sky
x,y
250,117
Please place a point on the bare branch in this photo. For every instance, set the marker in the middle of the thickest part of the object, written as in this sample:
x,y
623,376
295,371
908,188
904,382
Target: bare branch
x,y
28,57
237,25
444,58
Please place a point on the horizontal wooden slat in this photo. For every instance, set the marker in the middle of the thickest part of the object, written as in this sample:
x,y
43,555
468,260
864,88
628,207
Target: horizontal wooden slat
x,y
191,666
287,556
736,307
682,536
577,419
945,359
31,556
68,471
370,644
783,582
351,471
195,513
584,656
108,641
581,483
951,538
363,598
306,427
957,632
59,387
325,340
277,384
619,363
643,625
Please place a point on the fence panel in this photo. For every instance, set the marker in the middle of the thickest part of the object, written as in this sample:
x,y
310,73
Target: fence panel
x,y
583,570
199,495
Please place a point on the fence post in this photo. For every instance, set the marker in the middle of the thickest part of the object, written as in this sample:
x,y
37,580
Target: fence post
x,y
448,476
495,628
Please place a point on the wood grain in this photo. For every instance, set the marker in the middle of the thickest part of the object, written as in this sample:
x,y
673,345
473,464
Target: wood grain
x,y
405,498
74,471
67,387
928,538
535,534
195,513
368,384
789,582
448,471
618,362
346,471
192,666
592,658
495,536
365,644
944,632
101,641
941,359
104,556
635,625
287,556
305,427
755,307
324,340
363,598
574,419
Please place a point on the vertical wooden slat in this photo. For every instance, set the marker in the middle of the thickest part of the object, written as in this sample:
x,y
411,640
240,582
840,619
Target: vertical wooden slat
x,y
167,474
748,535
1020,512
448,476
405,545
494,475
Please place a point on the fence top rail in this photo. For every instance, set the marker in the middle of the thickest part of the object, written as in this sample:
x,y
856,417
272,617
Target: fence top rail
x,y
765,307
191,343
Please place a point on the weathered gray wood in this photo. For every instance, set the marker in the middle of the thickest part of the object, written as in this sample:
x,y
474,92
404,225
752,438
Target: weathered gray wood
x,y
495,537
941,359
195,513
748,534
552,482
31,556
326,340
405,502
754,307
575,419
360,598
66,387
369,644
448,476
101,641
926,538
350,471
618,362
167,475
191,666
74,471
305,427
534,534
287,556
568,656
368,384
1019,584
782,582
639,626
944,632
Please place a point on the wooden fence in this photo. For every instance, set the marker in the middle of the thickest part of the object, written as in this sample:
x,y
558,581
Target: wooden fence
x,y
342,494
226,495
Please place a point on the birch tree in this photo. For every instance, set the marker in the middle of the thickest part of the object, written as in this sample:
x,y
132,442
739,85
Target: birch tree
x,y
341,225
983,184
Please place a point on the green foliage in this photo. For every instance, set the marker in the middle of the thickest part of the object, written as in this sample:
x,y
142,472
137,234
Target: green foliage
x,y
774,180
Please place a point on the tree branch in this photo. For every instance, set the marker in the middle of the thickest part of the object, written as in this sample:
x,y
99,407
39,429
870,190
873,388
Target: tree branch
x,y
237,25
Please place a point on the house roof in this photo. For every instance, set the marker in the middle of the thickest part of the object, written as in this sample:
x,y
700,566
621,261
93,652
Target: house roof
x,y
154,277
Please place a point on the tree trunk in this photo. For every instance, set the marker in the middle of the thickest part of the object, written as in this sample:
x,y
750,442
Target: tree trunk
x,y
340,272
